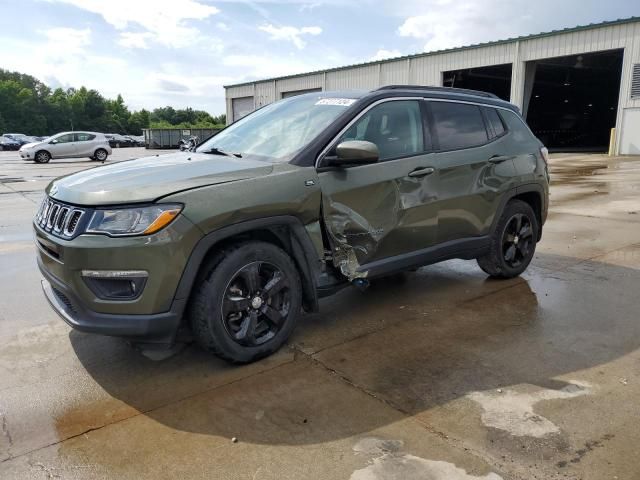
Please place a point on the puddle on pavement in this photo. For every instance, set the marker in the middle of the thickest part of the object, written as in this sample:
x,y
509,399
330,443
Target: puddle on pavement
x,y
389,463
513,411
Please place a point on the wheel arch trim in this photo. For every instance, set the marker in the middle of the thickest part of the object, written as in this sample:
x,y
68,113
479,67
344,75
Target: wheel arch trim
x,y
302,252
519,190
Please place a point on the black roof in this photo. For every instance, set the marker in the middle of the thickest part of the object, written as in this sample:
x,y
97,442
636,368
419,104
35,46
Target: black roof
x,y
465,91
444,93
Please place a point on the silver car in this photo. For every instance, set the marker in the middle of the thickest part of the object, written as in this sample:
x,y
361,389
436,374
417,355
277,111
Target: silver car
x,y
68,145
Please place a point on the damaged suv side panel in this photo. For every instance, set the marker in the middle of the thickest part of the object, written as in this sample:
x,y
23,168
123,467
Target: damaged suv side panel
x,y
377,211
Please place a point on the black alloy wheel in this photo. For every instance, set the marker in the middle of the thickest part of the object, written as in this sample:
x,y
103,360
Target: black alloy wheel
x,y
517,240
256,303
246,301
512,243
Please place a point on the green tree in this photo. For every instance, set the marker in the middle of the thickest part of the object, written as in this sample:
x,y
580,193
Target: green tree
x,y
29,106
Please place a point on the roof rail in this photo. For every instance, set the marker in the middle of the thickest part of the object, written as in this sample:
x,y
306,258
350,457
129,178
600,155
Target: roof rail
x,y
465,91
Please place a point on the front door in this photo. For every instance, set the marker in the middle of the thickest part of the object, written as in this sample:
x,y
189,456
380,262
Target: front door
x,y
63,147
385,209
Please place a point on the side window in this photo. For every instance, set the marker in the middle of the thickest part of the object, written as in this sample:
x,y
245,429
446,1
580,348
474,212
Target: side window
x,y
84,137
394,126
458,125
517,127
68,138
495,121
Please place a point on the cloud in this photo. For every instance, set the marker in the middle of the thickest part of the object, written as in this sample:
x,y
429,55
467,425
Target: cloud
x,y
383,54
67,41
447,24
135,40
309,6
262,66
222,26
164,20
291,34
170,86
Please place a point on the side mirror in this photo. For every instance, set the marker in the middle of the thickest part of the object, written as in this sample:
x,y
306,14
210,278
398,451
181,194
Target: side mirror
x,y
355,152
54,141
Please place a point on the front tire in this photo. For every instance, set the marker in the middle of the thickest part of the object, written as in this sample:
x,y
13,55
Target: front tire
x,y
42,156
513,242
246,302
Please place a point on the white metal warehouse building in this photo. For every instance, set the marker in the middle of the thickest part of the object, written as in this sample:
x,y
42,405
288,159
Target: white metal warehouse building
x,y
572,85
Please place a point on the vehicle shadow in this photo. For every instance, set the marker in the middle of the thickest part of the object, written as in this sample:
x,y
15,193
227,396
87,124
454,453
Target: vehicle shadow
x,y
415,343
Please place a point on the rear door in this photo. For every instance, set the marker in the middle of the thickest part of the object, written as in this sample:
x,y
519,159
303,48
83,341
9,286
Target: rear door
x,y
384,209
474,168
84,144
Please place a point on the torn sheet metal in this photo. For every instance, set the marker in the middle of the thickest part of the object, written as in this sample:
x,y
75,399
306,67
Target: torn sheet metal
x,y
356,236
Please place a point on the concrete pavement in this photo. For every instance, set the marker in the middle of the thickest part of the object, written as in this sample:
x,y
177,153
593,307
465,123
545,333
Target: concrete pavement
x,y
438,374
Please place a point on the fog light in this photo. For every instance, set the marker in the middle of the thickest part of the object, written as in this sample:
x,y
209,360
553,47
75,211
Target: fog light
x,y
116,284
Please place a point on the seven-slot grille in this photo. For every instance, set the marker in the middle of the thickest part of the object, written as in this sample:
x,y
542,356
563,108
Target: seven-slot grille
x,y
59,219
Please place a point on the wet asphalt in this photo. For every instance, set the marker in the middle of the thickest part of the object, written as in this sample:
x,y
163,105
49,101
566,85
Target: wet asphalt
x,y
438,374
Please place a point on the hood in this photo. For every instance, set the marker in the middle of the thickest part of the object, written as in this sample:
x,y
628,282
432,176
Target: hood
x,y
31,144
149,178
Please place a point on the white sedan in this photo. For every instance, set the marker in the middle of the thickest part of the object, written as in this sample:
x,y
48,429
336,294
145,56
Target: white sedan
x,y
68,145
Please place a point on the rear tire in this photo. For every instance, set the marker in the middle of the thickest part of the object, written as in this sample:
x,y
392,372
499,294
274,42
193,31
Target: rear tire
x,y
42,156
246,301
513,242
100,155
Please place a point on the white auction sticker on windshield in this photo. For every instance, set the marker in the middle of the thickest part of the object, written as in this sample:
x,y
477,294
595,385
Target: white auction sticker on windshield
x,y
341,102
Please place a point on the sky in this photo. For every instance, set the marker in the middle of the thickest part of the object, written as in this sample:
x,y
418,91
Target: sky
x,y
181,52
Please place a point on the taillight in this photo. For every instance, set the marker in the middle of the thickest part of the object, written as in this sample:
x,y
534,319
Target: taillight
x,y
545,154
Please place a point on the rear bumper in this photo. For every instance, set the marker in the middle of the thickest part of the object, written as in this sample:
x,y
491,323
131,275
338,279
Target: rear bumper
x,y
159,328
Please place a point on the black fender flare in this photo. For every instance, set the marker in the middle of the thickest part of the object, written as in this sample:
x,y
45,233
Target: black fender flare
x,y
302,250
519,190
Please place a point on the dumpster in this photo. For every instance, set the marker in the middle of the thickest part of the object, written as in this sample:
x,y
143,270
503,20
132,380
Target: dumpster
x,y
170,137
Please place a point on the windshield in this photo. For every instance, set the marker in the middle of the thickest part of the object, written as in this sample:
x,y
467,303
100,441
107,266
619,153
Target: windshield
x,y
278,131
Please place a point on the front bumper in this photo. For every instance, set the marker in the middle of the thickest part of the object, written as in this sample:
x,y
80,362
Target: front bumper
x,y
158,328
151,317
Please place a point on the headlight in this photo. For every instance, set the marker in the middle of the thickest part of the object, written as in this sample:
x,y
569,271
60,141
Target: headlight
x,y
133,221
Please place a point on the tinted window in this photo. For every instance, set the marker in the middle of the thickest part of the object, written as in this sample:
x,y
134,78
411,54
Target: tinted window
x,y
458,125
84,137
65,138
517,127
494,120
395,127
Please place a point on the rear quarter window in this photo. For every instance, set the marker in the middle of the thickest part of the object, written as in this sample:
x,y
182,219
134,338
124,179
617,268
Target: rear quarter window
x,y
495,121
458,125
517,127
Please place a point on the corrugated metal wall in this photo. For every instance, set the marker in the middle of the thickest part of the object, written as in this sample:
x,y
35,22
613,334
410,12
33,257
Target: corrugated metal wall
x,y
427,69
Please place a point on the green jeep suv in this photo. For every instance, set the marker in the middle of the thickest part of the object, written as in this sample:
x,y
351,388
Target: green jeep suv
x,y
228,243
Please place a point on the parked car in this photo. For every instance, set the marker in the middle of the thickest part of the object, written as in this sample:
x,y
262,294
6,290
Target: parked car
x,y
68,145
21,138
293,202
8,143
117,141
137,140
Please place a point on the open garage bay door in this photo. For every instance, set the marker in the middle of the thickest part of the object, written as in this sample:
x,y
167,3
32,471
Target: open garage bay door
x,y
495,79
571,102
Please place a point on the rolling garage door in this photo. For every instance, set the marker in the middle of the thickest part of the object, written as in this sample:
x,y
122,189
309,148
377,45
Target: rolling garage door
x,y
241,107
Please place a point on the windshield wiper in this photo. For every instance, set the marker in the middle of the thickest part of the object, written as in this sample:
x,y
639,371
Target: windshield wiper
x,y
217,151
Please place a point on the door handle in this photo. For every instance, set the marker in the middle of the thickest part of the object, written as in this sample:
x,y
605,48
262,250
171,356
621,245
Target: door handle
x,y
421,172
500,158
